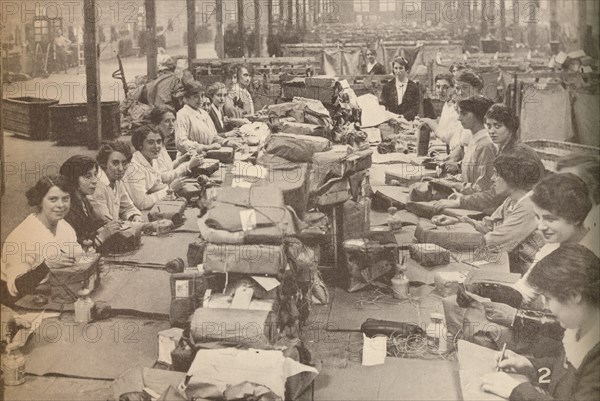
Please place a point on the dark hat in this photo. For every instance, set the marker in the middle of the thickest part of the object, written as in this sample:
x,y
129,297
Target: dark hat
x,y
192,88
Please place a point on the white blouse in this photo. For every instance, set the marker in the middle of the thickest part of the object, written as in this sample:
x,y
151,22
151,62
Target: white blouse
x,y
30,243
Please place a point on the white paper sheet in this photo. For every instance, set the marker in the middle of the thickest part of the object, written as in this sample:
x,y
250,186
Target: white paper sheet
x,y
374,350
268,283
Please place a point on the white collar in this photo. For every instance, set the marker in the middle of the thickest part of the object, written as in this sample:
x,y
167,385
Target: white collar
x,y
139,158
576,350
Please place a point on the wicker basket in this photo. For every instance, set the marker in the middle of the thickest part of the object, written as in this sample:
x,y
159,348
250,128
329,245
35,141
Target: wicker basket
x,y
551,151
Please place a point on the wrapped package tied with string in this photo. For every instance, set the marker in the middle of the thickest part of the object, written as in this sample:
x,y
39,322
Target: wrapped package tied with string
x,y
340,161
168,209
225,154
245,258
246,327
429,255
187,293
370,257
250,215
303,129
291,178
296,148
66,282
455,237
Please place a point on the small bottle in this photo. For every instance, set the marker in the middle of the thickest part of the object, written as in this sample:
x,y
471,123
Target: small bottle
x,y
83,306
400,282
13,365
393,220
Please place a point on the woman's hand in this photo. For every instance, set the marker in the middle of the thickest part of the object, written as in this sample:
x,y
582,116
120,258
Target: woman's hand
x,y
159,186
233,143
108,230
137,219
212,146
476,225
60,261
446,204
195,161
499,383
443,220
234,133
500,313
176,184
515,363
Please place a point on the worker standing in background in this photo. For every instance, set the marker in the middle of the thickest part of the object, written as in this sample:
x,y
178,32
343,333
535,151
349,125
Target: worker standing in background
x,y
62,50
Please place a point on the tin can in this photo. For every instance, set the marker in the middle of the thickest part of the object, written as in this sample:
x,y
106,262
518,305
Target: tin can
x,y
13,365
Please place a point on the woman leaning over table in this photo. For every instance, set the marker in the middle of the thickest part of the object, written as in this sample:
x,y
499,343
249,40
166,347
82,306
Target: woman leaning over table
x,y
568,279
43,241
512,226
91,228
148,176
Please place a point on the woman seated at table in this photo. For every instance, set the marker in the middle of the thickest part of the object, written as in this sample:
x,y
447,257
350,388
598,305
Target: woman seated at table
x,y
560,203
194,129
401,95
110,200
479,150
163,117
82,174
217,93
512,227
503,128
150,174
42,241
569,279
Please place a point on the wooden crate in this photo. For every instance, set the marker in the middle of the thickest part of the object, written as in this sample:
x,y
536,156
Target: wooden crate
x,y
69,122
27,115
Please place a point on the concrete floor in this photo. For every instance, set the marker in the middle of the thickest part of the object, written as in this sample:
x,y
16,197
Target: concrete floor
x,y
27,160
